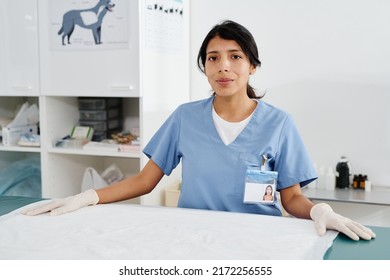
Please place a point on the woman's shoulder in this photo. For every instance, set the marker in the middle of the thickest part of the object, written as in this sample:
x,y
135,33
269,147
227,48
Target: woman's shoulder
x,y
272,108
191,108
272,111
196,104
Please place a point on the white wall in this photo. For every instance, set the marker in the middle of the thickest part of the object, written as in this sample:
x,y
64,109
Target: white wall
x,y
325,62
165,81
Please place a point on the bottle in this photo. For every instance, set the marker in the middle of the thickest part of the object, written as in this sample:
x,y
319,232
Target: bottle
x,y
368,185
355,182
330,179
342,173
321,178
362,184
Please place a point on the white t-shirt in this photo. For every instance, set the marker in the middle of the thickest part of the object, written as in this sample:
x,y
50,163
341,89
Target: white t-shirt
x,y
228,131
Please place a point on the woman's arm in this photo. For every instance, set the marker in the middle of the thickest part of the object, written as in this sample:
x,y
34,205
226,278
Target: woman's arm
x,y
295,203
134,186
322,214
142,183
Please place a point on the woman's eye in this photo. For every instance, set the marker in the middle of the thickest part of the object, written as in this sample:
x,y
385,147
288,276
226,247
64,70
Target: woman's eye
x,y
236,56
212,58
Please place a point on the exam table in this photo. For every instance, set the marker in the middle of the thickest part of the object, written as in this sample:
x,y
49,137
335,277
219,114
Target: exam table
x,y
342,247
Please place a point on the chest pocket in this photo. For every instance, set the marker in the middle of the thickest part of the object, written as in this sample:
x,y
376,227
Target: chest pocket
x,y
246,160
250,159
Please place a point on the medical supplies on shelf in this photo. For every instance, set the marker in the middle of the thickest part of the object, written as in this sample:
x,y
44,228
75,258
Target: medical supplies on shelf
x,y
25,124
104,115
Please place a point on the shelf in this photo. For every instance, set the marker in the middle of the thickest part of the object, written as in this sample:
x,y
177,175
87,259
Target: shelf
x,y
20,149
20,93
378,195
69,151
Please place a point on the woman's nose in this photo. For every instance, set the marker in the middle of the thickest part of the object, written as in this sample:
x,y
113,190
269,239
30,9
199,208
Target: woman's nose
x,y
224,66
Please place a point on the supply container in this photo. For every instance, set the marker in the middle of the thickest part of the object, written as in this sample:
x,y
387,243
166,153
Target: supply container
x,y
330,180
342,173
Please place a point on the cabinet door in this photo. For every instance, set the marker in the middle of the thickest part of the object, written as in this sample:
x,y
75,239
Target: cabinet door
x,y
19,68
73,64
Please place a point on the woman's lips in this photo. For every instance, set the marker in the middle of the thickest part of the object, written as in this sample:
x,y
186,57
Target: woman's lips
x,y
224,81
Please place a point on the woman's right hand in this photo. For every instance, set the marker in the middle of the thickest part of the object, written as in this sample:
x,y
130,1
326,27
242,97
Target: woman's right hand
x,y
65,205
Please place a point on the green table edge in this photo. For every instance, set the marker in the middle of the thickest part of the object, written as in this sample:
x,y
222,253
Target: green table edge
x,y
11,203
344,248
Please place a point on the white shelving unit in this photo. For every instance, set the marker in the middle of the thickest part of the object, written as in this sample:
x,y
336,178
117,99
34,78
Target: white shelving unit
x,y
150,82
19,67
19,60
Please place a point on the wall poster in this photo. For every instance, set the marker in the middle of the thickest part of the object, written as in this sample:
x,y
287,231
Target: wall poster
x,y
164,25
89,24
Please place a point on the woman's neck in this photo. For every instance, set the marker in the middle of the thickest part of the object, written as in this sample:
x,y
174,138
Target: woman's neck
x,y
233,109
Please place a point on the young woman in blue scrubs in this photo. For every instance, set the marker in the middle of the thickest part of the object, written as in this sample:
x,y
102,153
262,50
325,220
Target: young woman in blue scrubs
x,y
218,139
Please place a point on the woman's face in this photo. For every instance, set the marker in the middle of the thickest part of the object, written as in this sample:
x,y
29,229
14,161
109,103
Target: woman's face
x,y
269,190
227,68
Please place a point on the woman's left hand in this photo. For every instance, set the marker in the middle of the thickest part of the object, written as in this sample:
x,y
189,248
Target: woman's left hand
x,y
325,218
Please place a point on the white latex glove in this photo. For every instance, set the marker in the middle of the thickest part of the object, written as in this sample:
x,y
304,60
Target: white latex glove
x,y
324,217
65,205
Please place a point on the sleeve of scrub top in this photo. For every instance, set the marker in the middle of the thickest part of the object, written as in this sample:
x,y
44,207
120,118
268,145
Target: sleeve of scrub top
x,y
292,162
163,147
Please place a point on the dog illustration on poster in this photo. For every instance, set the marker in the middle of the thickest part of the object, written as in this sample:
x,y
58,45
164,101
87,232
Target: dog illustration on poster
x,y
87,18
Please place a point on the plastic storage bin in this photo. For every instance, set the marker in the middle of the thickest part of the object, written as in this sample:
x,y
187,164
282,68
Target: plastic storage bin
x,y
98,103
104,115
99,115
97,126
114,124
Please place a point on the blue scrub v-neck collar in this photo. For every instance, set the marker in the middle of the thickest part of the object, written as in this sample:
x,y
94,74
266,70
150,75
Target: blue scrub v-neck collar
x,y
214,136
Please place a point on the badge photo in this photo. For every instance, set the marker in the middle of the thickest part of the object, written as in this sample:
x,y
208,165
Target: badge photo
x,y
260,186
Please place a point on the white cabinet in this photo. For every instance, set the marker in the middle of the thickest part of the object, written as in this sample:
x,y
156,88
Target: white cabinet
x,y
150,82
19,69
19,60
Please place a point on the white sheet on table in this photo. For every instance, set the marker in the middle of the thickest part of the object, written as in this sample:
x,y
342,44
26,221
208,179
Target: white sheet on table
x,y
123,231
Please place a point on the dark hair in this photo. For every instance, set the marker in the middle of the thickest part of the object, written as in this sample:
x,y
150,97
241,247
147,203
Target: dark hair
x,y
230,30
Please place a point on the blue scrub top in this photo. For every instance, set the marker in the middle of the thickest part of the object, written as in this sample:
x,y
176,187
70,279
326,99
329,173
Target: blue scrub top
x,y
213,174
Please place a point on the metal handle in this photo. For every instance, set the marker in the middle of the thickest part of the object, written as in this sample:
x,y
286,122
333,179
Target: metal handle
x,y
122,87
22,88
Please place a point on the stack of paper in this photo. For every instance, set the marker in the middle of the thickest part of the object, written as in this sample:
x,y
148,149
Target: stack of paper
x,y
25,121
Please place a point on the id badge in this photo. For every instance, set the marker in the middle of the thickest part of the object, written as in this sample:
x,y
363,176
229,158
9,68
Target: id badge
x,y
260,186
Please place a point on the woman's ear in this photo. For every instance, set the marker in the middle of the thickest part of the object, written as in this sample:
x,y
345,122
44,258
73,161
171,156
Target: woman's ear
x,y
252,70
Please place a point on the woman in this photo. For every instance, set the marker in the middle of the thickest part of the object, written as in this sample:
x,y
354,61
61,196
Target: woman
x,y
268,194
217,139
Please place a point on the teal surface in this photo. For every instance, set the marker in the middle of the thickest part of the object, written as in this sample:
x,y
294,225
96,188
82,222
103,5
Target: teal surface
x,y
10,203
378,248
